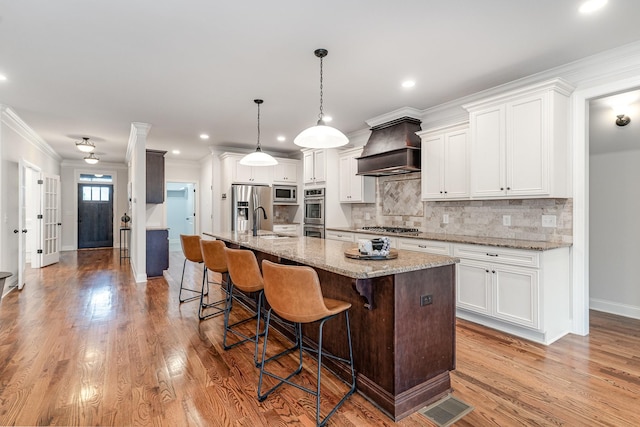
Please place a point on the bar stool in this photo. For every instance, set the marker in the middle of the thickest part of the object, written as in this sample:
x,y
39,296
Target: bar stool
x,y
214,260
294,294
245,275
191,250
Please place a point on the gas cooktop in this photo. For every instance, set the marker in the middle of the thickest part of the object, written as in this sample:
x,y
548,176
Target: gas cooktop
x,y
394,230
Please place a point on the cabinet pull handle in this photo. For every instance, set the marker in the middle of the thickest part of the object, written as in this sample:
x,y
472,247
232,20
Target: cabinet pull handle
x,y
422,246
488,254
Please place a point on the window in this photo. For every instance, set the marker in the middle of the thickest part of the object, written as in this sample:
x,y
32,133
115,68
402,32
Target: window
x,y
95,194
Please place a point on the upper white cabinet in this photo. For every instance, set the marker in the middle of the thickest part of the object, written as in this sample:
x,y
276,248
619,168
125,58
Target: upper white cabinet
x,y
314,162
286,171
519,143
445,163
355,188
252,174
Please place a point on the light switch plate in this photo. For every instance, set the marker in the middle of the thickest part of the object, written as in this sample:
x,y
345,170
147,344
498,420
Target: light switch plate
x,y
506,220
445,219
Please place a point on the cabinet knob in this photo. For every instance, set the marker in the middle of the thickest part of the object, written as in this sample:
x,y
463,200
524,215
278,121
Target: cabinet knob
x,y
445,192
501,188
508,188
493,271
441,192
486,270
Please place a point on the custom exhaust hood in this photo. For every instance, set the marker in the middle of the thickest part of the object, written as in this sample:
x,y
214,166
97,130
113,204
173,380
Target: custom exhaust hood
x,y
393,148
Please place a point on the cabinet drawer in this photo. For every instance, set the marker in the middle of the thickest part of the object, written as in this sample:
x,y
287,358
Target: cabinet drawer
x,y
339,235
493,254
288,228
429,246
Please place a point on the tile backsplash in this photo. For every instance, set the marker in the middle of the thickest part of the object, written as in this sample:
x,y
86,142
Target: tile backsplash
x,y
398,204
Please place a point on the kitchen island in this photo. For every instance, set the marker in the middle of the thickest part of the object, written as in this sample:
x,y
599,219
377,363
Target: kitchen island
x,y
402,316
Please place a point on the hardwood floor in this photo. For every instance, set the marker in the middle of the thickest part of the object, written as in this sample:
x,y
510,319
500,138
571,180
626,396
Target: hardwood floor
x,y
83,344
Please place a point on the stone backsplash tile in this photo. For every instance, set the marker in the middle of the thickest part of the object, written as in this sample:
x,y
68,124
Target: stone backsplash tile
x,y
469,217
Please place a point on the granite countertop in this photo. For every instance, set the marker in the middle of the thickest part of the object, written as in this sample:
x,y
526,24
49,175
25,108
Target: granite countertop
x,y
474,240
329,254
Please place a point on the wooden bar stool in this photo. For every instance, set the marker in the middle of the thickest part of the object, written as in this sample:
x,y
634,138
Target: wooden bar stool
x,y
294,294
191,250
245,275
214,260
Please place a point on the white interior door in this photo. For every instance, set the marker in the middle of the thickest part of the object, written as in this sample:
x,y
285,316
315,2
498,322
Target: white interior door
x,y
50,221
22,220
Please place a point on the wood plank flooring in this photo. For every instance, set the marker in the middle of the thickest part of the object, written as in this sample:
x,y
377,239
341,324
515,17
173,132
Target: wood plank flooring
x,y
83,344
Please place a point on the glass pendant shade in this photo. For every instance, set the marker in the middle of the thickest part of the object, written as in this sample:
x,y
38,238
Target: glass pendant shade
x,y
321,136
91,159
258,157
85,145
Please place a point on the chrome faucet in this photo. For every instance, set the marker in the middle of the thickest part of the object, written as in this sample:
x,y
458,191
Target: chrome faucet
x,y
255,219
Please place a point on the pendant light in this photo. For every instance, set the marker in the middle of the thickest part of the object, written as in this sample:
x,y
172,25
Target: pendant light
x,y
321,135
85,145
91,159
258,157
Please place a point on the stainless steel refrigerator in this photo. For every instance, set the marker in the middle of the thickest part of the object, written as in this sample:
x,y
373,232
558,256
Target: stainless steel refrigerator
x,y
245,201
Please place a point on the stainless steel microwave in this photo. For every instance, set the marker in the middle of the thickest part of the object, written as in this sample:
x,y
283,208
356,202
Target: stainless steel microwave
x,y
285,194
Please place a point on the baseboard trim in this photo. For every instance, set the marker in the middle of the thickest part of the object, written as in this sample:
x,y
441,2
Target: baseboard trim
x,y
612,307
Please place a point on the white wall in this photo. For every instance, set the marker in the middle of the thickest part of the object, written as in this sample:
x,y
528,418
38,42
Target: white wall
x,y
614,232
17,142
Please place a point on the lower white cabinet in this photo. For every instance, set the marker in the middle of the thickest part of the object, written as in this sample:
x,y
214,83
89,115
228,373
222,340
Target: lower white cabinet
x,y
339,235
286,228
421,245
522,292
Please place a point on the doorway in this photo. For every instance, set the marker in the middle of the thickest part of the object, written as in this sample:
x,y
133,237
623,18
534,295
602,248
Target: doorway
x,y
181,210
95,215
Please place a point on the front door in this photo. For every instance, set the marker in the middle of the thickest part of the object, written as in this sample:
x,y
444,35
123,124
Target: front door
x,y
95,216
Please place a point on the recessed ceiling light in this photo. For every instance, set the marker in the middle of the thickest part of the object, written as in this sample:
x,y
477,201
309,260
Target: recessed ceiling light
x,y
176,151
204,136
281,138
3,77
408,83
327,119
591,6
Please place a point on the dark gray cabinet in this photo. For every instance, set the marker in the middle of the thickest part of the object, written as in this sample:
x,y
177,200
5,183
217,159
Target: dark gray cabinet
x,y
155,176
157,251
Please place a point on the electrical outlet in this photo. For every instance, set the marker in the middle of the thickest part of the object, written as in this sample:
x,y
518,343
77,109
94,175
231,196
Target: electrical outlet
x,y
367,216
548,220
426,300
445,219
506,220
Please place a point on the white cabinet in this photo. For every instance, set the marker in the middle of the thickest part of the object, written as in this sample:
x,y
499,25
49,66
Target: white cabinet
x,y
421,245
522,292
445,163
252,174
339,235
519,143
314,164
286,229
286,171
355,188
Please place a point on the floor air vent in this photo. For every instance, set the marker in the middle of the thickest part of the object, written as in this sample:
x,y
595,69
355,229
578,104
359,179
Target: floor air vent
x,y
446,411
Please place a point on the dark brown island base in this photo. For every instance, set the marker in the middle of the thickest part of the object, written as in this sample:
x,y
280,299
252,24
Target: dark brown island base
x,y
402,316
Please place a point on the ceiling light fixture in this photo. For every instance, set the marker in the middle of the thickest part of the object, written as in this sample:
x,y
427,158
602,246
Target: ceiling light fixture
x,y
591,6
623,120
91,159
175,151
321,135
85,145
3,77
258,157
204,136
408,84
281,138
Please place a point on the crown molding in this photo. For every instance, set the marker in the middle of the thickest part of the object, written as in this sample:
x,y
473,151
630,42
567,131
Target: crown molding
x,y
137,129
414,113
97,168
14,122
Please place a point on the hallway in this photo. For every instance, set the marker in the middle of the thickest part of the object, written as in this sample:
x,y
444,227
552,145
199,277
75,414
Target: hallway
x,y
83,344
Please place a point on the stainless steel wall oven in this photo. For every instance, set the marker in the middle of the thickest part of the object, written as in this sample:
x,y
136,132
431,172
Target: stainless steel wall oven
x,y
314,212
